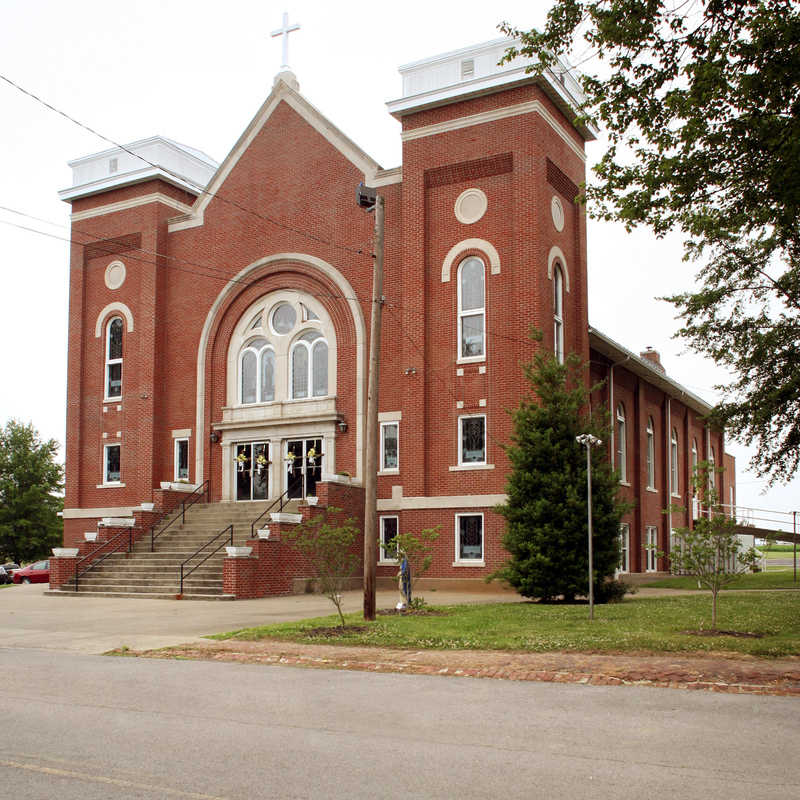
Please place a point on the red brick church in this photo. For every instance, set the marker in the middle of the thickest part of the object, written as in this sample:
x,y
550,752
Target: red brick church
x,y
219,327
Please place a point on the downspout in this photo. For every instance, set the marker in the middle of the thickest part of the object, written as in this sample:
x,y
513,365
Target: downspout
x,y
669,474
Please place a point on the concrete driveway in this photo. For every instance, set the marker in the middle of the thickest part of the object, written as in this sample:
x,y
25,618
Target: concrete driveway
x,y
30,618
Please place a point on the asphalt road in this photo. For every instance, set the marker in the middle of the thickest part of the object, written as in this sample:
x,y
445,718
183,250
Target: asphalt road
x,y
84,726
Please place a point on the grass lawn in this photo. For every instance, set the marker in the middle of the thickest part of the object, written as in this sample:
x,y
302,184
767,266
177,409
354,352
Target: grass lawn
x,y
655,624
782,579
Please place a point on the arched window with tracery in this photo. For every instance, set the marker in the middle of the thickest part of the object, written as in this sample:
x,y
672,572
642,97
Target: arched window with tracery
x,y
471,309
309,366
558,313
282,349
113,378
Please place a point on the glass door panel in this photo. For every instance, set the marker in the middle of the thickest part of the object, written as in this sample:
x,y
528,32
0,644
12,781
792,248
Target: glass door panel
x,y
303,467
251,463
313,466
260,471
294,468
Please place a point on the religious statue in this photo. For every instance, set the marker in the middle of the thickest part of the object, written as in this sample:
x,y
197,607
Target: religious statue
x,y
404,584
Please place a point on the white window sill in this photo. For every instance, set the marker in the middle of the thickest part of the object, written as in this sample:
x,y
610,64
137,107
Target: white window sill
x,y
111,485
651,489
389,472
466,467
624,483
471,360
470,563
388,563
112,399
677,496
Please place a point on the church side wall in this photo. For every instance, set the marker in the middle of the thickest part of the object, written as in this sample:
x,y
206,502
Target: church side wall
x,y
642,401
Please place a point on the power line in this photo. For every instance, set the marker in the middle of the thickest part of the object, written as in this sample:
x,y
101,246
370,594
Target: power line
x,y
223,276
182,178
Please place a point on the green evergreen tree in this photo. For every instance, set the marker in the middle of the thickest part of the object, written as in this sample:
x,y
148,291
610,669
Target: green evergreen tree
x,y
30,483
547,532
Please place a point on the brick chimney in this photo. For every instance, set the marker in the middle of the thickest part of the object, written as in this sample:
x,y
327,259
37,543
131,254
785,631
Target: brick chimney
x,y
653,357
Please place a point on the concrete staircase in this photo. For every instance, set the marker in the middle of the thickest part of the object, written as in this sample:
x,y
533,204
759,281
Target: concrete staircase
x,y
157,574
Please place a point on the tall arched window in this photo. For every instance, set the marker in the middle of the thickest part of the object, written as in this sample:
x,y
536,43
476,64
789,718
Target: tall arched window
x,y
558,313
113,382
471,309
257,371
651,454
622,444
694,458
673,461
309,366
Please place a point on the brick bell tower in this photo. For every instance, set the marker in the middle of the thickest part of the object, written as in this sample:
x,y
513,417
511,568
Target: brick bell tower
x,y
492,164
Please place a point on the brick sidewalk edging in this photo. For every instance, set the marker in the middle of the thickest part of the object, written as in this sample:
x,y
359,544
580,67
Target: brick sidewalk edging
x,y
674,671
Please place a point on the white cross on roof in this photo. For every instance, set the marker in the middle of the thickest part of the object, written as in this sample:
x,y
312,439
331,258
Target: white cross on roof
x,y
284,31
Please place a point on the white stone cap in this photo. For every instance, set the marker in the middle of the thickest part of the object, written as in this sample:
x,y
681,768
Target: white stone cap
x,y
344,480
472,71
284,516
170,161
117,522
238,552
65,552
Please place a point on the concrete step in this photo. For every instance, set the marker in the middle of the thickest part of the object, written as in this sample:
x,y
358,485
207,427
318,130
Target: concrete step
x,y
155,573
138,595
150,588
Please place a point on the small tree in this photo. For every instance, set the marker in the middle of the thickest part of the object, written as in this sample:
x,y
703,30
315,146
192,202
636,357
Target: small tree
x,y
327,544
417,550
30,482
711,550
546,532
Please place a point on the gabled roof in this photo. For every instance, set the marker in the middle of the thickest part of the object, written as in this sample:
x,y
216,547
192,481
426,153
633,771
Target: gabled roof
x,y
284,90
621,356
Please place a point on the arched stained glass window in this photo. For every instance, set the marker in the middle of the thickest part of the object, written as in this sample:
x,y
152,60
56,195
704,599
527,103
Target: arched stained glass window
x,y
113,382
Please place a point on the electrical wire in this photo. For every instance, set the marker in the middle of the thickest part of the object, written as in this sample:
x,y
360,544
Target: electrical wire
x,y
182,178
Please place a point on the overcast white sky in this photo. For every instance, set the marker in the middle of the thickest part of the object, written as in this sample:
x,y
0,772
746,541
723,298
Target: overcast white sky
x,y
196,71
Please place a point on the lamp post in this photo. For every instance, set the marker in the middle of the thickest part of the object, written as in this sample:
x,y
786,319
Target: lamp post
x,y
589,442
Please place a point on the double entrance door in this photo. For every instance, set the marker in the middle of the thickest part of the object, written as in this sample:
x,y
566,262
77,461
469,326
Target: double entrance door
x,y
302,469
252,471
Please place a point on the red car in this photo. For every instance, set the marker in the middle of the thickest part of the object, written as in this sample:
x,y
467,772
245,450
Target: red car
x,y
38,572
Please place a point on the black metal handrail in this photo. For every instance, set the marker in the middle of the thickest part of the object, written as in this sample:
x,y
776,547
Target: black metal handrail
x,y
187,502
281,499
199,550
79,573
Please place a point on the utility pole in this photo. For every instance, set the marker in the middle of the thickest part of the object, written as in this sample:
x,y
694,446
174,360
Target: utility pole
x,y
589,441
371,467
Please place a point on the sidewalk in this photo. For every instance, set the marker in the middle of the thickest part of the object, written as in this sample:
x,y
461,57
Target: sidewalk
x,y
744,675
